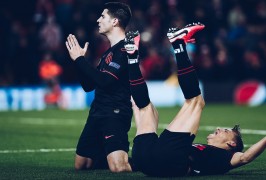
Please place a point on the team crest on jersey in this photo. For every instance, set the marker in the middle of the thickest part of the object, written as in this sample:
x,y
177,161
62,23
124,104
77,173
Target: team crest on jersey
x,y
108,58
199,146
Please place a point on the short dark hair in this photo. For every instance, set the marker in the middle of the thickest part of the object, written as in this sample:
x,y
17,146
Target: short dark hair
x,y
238,140
120,11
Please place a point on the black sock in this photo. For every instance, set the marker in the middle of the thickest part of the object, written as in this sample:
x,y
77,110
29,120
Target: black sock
x,y
187,76
138,86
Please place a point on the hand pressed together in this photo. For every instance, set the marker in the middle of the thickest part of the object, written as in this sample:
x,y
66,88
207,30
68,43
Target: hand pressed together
x,y
74,48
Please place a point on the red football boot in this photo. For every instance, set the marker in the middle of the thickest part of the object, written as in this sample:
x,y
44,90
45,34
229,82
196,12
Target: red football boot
x,y
184,33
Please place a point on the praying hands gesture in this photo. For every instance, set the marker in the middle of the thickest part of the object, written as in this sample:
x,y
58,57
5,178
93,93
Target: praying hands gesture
x,y
74,48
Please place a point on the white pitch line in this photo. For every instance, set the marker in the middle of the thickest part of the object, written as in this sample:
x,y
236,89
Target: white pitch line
x,y
53,150
212,128
36,150
243,131
44,121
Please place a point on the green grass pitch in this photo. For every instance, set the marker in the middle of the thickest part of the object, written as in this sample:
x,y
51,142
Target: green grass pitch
x,y
41,144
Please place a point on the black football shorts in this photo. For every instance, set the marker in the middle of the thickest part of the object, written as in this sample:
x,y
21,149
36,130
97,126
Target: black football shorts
x,y
164,156
103,135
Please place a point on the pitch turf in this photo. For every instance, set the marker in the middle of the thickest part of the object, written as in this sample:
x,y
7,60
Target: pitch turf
x,y
40,144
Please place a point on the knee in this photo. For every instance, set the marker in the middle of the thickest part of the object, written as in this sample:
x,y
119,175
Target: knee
x,y
78,167
201,102
82,164
118,164
198,102
118,167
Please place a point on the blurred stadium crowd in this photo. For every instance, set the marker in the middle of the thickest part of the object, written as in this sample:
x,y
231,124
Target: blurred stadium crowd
x,y
231,48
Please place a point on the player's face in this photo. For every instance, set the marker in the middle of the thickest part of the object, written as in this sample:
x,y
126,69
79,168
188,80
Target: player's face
x,y
105,22
221,137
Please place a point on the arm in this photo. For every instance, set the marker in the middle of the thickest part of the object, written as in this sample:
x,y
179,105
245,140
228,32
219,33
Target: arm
x,y
87,84
240,159
99,78
89,76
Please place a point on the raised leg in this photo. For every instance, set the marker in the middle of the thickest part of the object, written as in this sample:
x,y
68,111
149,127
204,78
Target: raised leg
x,y
188,118
145,114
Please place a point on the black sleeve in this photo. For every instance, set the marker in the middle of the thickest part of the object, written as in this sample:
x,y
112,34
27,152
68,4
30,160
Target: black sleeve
x,y
88,73
218,161
86,83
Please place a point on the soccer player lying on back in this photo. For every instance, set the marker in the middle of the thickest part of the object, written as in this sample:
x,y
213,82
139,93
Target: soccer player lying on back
x,y
172,153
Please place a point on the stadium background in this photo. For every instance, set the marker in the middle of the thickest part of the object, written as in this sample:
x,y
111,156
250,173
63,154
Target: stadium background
x,y
229,52
231,49
232,46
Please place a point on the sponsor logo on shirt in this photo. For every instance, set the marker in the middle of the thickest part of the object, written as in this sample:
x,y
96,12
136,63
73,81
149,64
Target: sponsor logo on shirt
x,y
115,65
